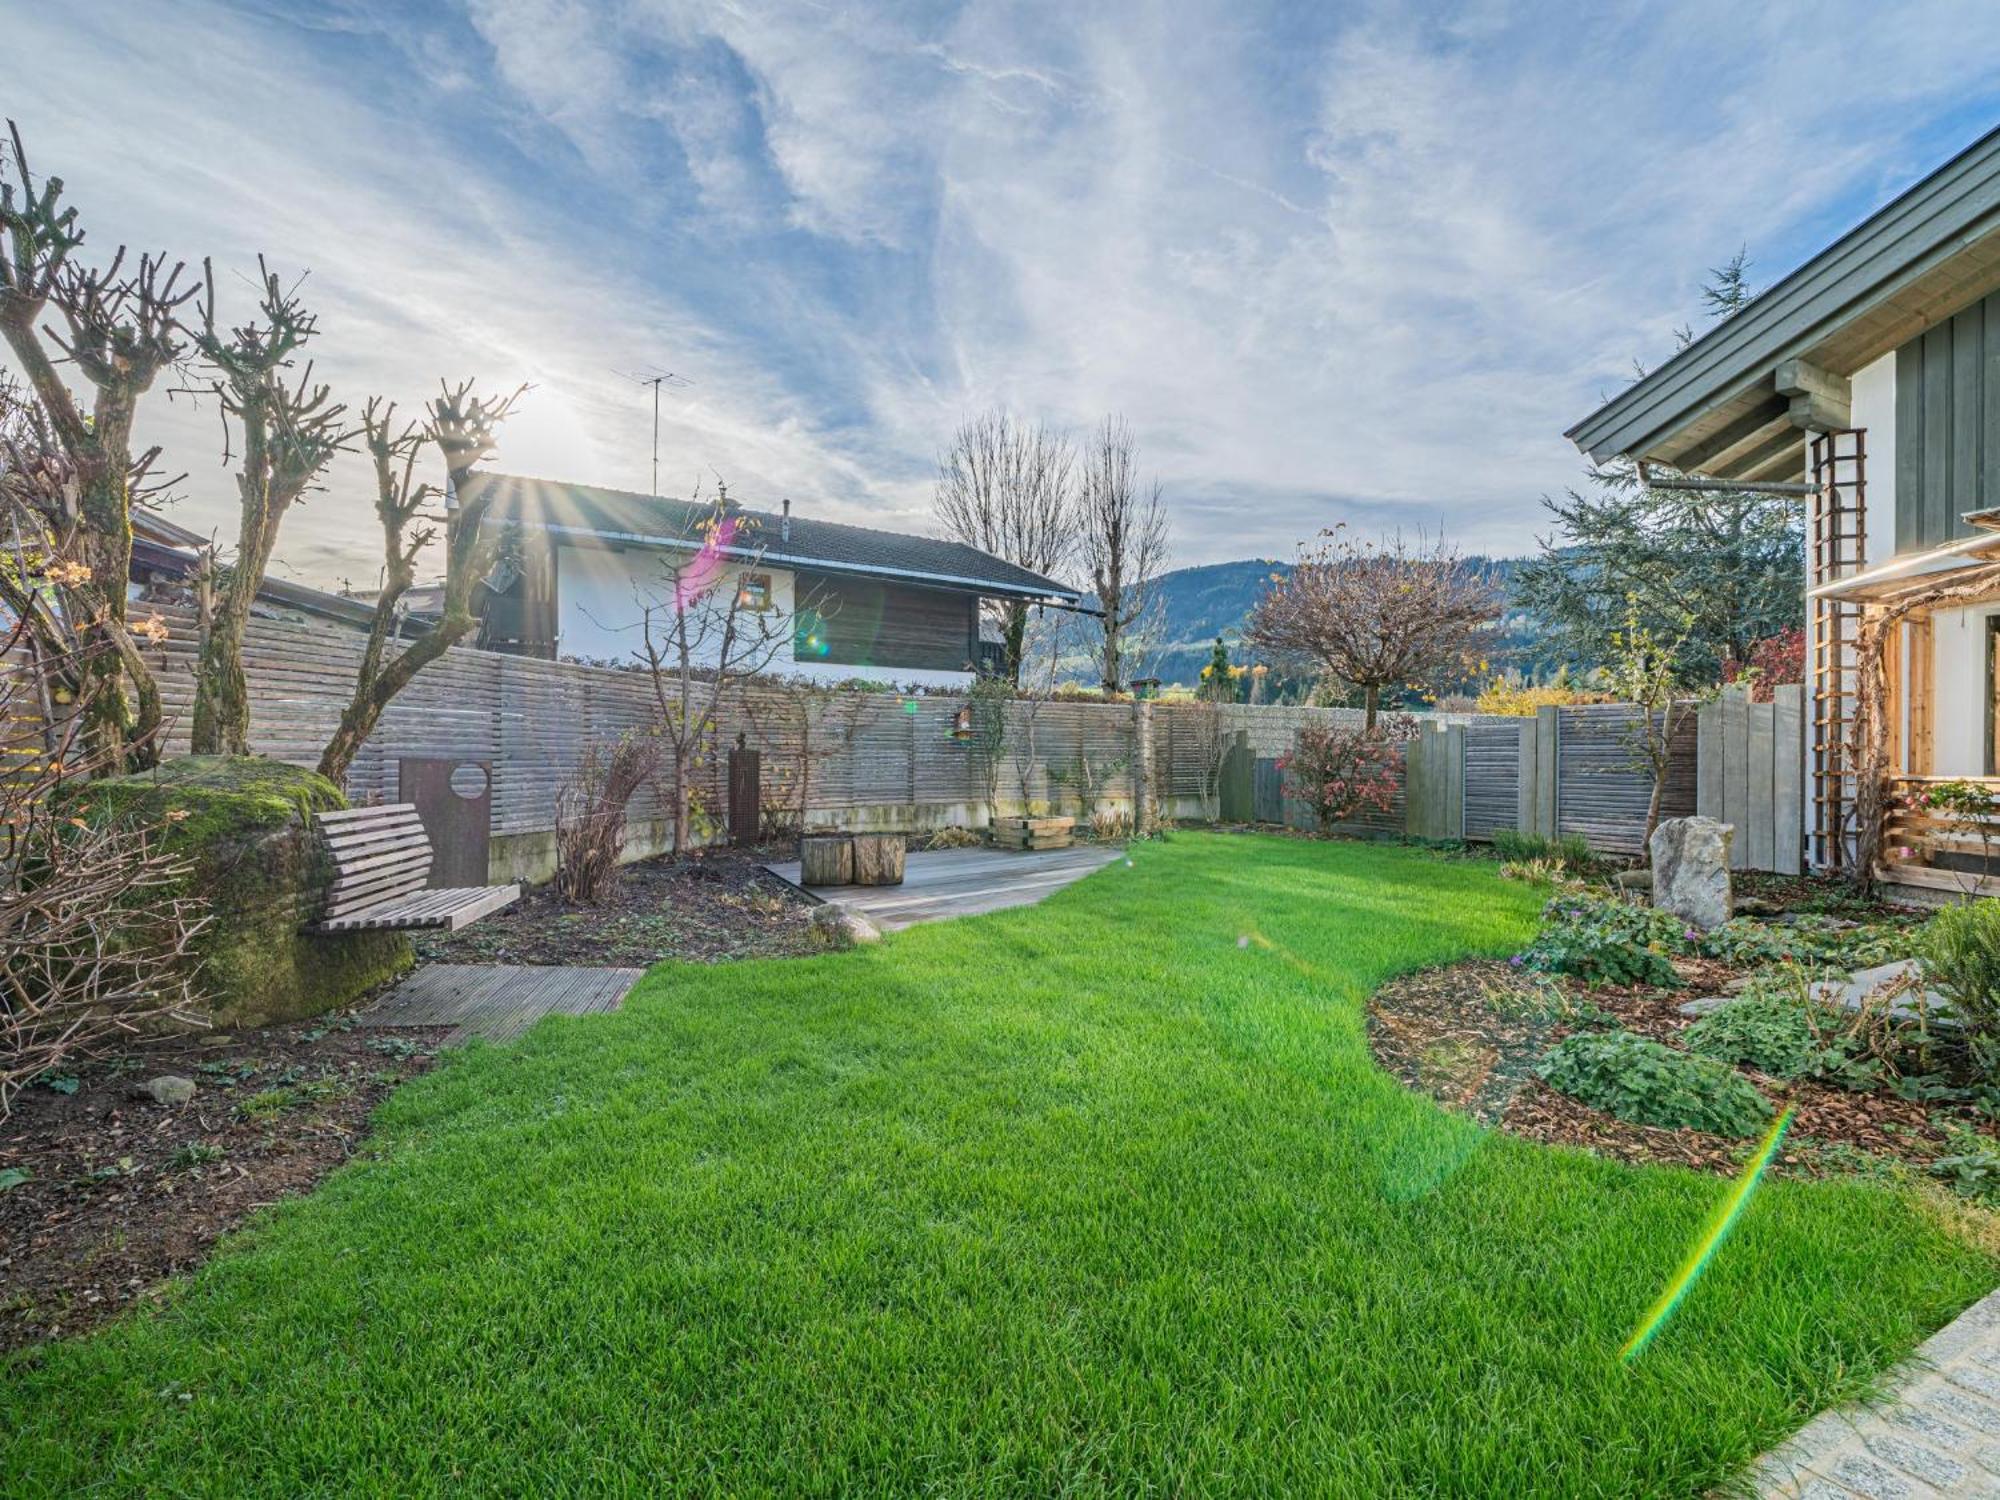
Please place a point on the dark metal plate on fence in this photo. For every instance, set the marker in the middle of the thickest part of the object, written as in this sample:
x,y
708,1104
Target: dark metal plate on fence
x,y
454,798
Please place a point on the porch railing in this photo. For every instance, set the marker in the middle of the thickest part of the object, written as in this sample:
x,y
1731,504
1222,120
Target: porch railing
x,y
1943,832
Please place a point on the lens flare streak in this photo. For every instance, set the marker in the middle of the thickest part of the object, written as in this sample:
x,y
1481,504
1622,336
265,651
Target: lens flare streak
x,y
1713,1234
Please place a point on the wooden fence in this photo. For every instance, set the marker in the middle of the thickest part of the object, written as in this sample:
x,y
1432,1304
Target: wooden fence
x,y
1752,775
906,762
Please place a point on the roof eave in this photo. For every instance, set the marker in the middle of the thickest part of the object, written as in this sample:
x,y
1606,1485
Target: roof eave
x,y
1892,275
1045,591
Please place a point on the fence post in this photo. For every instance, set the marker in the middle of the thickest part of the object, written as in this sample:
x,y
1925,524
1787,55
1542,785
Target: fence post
x,y
1142,767
1237,793
1548,756
1788,778
1454,781
1416,784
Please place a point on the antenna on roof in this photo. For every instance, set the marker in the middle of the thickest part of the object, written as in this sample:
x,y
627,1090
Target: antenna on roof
x,y
657,379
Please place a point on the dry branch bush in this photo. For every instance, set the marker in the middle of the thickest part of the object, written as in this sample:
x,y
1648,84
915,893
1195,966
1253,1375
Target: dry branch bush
x,y
96,936
590,814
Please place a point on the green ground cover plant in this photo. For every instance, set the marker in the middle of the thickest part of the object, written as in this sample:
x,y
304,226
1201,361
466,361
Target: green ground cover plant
x,y
1101,1196
1649,1083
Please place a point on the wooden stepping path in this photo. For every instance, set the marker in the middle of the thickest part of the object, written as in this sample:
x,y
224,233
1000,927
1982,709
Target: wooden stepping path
x,y
498,1001
944,883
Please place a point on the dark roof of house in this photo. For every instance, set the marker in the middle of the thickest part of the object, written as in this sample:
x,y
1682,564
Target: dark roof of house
x,y
1722,406
167,547
587,511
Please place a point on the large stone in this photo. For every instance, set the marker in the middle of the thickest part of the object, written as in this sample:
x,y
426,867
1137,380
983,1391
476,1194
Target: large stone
x,y
838,927
244,827
1900,982
168,1088
1691,870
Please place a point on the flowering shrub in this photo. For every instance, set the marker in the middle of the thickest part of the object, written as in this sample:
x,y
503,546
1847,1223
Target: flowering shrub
x,y
1773,662
1340,771
1520,700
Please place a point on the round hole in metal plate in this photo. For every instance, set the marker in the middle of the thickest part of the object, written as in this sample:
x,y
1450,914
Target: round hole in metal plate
x,y
470,781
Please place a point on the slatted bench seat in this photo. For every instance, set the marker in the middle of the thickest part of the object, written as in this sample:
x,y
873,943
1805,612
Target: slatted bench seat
x,y
381,859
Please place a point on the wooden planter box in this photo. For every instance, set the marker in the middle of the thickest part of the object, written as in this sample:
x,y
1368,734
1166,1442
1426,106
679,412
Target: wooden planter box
x,y
1034,833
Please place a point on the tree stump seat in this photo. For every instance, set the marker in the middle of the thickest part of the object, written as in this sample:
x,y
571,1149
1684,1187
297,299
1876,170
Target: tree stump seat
x,y
851,859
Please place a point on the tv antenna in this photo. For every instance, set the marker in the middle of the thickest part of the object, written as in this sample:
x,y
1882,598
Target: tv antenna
x,y
656,379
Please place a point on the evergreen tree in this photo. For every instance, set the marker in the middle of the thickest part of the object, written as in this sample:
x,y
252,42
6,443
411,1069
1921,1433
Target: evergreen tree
x,y
1716,571
1217,682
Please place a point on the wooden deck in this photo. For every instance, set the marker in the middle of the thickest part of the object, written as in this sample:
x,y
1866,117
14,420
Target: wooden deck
x,y
961,882
497,1001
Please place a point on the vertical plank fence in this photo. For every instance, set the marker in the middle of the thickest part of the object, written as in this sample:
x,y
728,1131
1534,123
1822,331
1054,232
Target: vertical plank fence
x,y
1752,776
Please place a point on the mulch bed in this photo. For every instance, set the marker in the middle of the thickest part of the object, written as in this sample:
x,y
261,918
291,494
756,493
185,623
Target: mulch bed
x,y
713,905
121,1193
1468,1036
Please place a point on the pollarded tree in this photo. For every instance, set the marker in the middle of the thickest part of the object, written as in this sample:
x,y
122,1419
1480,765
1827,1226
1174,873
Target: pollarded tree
x,y
465,428
287,432
1122,531
1010,489
118,330
1376,615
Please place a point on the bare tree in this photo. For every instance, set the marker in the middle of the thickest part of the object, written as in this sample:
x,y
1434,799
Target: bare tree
x,y
1373,616
1123,531
289,431
119,331
465,428
1009,489
700,643
804,723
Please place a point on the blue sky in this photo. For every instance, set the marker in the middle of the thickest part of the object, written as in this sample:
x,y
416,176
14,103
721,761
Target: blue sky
x,y
1357,262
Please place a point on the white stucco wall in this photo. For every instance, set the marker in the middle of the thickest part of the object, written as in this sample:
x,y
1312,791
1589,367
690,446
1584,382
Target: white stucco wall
x,y
601,592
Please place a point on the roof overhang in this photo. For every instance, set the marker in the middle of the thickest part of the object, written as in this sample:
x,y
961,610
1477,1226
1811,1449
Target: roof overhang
x,y
1738,402
775,556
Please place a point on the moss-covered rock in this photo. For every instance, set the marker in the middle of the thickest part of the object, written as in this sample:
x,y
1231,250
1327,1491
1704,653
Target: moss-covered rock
x,y
245,826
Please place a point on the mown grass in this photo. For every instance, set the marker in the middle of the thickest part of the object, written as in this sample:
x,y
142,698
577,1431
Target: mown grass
x,y
1093,1197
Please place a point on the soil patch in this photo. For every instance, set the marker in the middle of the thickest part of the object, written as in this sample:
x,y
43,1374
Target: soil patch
x,y
113,1193
714,905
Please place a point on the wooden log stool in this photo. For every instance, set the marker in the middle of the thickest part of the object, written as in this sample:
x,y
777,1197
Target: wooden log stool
x,y
826,859
878,858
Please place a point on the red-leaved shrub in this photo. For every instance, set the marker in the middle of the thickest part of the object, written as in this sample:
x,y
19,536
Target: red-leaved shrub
x,y
1340,771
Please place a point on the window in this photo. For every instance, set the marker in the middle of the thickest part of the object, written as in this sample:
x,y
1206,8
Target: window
x,y
753,591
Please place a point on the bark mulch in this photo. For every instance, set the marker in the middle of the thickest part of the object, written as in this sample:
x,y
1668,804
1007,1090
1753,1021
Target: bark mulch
x,y
105,1194
713,905
1469,1035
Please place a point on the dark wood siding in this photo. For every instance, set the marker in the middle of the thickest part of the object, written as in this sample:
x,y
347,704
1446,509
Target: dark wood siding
x,y
1948,426
851,622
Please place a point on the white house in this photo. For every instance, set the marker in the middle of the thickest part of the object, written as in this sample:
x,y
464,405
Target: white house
x,y
840,601
1867,382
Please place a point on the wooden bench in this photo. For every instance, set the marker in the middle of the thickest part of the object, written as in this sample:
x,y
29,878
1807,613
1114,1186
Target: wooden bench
x,y
381,859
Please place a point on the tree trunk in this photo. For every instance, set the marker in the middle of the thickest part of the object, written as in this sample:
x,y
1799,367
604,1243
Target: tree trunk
x,y
1013,635
221,721
826,859
1371,701
878,858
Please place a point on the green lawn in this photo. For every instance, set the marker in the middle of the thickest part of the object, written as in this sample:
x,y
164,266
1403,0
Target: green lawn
x,y
1091,1197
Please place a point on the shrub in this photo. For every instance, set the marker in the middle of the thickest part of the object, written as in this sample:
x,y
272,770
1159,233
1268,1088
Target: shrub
x,y
1782,1032
1646,1083
1960,949
1570,851
1773,662
1339,770
1810,940
1602,941
1522,700
590,814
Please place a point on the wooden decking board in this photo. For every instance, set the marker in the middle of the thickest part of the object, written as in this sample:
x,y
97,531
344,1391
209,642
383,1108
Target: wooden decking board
x,y
961,882
498,1001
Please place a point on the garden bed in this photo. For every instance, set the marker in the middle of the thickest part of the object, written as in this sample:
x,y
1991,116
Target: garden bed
x,y
1472,1035
112,1192
714,905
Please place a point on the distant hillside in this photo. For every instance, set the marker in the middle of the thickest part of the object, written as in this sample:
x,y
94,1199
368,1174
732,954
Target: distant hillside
x,y
1198,604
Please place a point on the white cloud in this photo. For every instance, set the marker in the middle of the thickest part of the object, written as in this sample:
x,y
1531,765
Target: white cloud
x,y
1365,263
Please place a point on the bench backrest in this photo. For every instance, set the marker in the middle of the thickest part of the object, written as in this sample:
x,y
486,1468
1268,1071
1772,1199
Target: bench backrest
x,y
379,854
